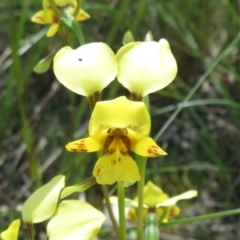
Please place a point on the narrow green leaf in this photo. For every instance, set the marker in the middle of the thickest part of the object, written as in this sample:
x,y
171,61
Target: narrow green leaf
x,y
80,187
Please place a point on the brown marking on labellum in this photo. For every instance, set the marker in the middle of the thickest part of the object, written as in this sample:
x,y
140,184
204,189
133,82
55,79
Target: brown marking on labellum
x,y
126,141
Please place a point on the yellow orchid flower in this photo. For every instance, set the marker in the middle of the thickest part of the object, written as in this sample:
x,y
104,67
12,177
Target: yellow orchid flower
x,y
155,200
146,67
86,70
47,16
12,232
116,127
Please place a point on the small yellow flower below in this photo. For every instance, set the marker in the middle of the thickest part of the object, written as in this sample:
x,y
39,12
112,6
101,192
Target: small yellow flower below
x,y
47,16
155,200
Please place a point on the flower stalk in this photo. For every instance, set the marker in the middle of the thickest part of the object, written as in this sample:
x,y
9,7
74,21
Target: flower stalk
x,y
121,208
30,229
54,8
142,161
110,212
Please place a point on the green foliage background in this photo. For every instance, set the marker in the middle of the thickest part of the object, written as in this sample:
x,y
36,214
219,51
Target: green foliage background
x,y
196,119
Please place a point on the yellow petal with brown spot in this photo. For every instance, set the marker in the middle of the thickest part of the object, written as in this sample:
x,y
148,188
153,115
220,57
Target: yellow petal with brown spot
x,y
90,144
144,146
82,15
39,18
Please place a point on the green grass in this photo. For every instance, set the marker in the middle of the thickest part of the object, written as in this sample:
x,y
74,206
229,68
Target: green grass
x,y
196,118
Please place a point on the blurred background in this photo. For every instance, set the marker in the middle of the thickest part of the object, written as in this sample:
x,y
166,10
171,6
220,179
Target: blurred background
x,y
196,119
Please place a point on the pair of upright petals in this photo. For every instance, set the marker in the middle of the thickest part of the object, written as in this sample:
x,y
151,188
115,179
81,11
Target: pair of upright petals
x,y
141,67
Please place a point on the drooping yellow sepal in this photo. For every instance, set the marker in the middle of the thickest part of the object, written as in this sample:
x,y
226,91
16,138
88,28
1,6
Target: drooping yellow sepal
x,y
146,67
88,69
12,232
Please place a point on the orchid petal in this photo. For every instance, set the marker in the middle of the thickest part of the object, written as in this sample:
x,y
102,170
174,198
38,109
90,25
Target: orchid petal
x,y
88,69
90,144
39,18
146,67
116,167
82,15
173,200
120,113
144,146
52,30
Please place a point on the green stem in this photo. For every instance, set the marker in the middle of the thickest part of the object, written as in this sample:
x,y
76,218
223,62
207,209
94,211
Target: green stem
x,y
79,34
93,99
121,210
54,8
205,217
141,166
141,161
79,4
73,26
30,230
110,212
